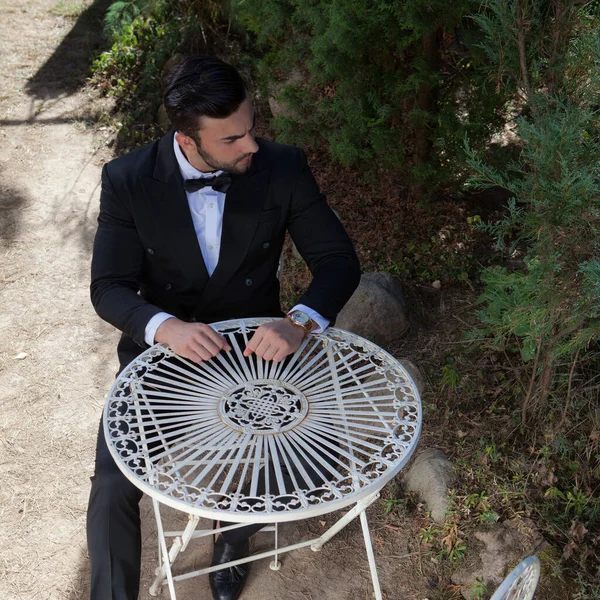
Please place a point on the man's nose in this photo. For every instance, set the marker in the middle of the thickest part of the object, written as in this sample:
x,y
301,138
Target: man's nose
x,y
250,146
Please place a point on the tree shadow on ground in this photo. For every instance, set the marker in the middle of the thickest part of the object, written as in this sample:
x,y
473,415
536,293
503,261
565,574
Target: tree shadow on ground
x,y
68,67
12,203
82,194
61,75
80,587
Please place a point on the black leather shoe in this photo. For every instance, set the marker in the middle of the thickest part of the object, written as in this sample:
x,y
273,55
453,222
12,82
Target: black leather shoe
x,y
228,583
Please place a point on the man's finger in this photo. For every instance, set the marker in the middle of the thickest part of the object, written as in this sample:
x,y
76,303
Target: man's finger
x,y
191,355
262,347
280,355
200,350
208,343
217,339
270,352
254,341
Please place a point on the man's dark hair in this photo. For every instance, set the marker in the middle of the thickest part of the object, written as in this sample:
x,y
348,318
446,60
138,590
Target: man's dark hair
x,y
202,86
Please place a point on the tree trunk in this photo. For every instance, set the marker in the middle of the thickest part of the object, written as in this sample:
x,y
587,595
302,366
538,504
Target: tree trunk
x,y
426,102
545,382
560,30
522,26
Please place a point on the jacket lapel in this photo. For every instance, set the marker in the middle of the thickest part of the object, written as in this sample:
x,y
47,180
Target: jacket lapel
x,y
168,200
243,205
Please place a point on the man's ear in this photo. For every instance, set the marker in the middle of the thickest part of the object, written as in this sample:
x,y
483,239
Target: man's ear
x,y
186,142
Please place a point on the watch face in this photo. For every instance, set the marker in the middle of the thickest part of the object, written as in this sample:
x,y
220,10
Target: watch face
x,y
300,318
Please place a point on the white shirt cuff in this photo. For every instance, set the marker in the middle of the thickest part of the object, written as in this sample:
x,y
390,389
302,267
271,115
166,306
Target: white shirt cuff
x,y
153,324
321,322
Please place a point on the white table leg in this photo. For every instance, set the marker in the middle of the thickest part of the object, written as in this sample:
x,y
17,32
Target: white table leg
x,y
179,545
341,523
155,589
275,565
181,542
370,555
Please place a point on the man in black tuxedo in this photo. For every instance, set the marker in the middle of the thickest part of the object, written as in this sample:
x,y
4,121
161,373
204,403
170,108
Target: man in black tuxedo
x,y
190,232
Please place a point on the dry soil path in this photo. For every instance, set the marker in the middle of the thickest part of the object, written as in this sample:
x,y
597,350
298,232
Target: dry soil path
x,y
57,359
55,356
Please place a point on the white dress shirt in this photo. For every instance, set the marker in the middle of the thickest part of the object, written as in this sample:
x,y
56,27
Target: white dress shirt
x,y
207,207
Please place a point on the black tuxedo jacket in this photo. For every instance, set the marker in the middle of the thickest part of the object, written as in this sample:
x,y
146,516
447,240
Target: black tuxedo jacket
x,y
147,259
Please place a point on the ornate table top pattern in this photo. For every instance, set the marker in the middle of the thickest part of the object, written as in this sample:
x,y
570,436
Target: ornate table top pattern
x,y
195,436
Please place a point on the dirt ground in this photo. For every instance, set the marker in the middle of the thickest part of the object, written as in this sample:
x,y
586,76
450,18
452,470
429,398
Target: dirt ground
x,y
57,358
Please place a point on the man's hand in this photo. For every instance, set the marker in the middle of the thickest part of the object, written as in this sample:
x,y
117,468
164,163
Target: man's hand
x,y
195,341
275,340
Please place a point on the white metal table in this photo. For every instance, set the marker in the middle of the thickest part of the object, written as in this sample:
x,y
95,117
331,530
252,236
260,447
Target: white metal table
x,y
333,423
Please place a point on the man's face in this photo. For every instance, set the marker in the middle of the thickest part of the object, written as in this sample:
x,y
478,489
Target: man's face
x,y
226,144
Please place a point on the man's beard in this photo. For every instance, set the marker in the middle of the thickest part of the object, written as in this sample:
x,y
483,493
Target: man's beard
x,y
231,167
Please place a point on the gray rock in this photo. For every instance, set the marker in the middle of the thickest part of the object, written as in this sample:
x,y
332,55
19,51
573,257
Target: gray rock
x,y
376,310
278,106
414,371
492,551
430,477
411,369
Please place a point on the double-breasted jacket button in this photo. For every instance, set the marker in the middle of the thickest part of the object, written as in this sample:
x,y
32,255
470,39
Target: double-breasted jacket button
x,y
150,251
248,281
266,245
168,287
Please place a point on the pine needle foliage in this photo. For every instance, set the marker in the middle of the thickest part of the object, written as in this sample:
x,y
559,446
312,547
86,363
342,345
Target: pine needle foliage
x,y
381,83
549,307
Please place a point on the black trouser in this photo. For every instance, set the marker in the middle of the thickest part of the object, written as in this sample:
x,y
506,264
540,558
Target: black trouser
x,y
114,531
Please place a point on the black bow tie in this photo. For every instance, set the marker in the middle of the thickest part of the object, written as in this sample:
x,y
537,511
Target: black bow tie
x,y
220,183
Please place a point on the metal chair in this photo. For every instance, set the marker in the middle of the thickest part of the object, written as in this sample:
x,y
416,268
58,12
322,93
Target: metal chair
x,y
521,582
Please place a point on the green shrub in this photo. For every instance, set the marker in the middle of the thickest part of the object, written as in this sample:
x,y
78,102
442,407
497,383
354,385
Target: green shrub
x,y
145,34
382,83
551,304
131,70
